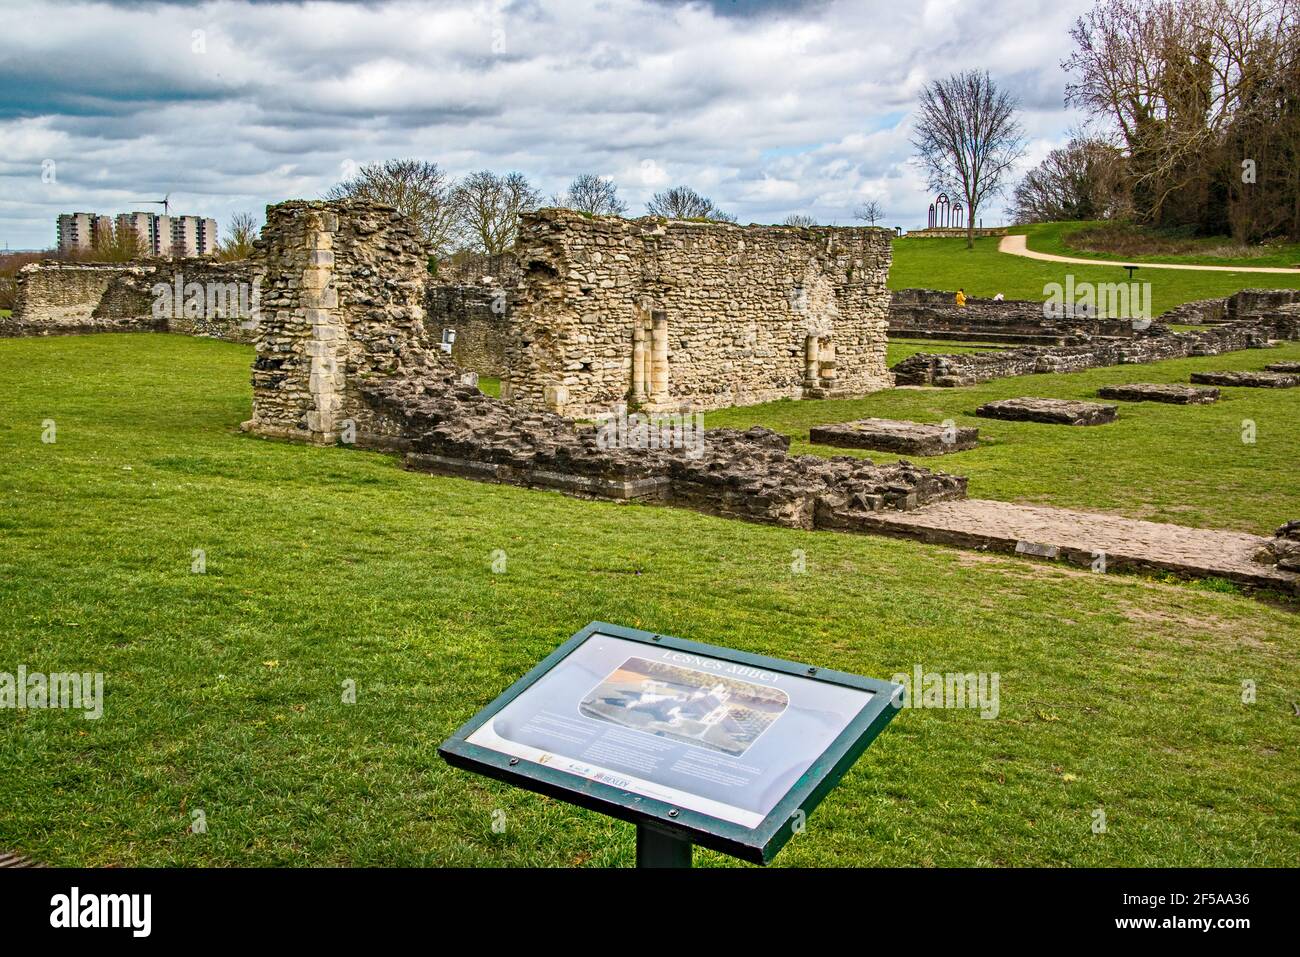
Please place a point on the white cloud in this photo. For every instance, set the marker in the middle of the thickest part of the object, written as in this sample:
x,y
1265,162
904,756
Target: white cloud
x,y
790,109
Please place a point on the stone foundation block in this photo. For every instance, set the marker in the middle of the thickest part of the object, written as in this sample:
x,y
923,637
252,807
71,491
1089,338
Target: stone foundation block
x,y
1254,380
1050,411
1160,392
895,435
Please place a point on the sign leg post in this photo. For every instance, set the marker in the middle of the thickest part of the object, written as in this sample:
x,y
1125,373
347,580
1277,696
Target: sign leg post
x,y
655,848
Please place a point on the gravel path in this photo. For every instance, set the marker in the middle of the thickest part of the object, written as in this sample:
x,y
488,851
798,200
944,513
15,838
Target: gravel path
x,y
1015,245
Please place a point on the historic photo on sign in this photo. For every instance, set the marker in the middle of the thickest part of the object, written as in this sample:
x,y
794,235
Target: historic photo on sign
x,y
694,707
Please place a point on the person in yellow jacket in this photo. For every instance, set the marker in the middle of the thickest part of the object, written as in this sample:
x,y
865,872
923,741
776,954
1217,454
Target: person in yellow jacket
x,y
961,297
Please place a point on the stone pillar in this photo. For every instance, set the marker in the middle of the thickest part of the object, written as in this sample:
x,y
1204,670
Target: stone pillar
x,y
826,364
811,350
639,362
658,356
320,303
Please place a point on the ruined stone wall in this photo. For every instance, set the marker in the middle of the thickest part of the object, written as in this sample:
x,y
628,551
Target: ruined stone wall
x,y
674,315
342,302
344,356
202,298
480,319
54,298
931,313
1154,345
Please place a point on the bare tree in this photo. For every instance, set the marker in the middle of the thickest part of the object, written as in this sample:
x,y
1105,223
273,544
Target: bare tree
x,y
240,235
1190,85
419,190
1082,180
589,193
870,212
116,245
800,219
967,138
489,208
682,202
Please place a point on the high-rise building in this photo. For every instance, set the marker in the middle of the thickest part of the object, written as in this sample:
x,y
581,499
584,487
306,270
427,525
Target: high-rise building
x,y
81,231
155,234
194,236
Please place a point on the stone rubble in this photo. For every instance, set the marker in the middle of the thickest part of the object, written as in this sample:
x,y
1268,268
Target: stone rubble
x,y
1284,549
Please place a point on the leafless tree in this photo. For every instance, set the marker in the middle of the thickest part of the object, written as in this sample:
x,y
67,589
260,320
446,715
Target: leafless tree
x,y
240,235
967,138
419,190
489,208
870,212
1083,180
682,202
589,193
116,245
800,219
1189,85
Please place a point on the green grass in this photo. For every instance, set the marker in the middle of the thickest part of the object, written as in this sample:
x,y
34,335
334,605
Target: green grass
x,y
983,271
1069,238
1183,464
328,564
900,349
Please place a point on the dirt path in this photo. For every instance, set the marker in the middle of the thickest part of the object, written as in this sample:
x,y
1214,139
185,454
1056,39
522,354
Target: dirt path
x,y
1015,246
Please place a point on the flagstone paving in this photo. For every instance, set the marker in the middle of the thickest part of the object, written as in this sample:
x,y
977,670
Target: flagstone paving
x,y
1102,542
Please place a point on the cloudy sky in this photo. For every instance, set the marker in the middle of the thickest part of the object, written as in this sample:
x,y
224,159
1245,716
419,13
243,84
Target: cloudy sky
x,y
769,108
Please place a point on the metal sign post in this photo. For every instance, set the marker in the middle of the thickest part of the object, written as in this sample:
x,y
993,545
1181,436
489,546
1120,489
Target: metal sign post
x,y
692,743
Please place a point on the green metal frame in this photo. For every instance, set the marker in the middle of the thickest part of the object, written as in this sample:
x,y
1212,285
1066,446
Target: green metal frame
x,y
757,845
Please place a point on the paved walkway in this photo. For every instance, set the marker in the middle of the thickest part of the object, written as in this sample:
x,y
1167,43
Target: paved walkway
x,y
16,860
1015,245
1081,537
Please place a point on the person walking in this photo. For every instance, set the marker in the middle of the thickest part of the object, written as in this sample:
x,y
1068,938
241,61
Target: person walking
x,y
961,297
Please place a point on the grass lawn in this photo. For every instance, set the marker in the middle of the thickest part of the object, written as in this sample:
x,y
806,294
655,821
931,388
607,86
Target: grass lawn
x,y
900,349
983,271
1070,239
1183,464
328,564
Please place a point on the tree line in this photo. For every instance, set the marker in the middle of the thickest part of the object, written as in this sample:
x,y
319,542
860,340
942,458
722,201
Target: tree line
x,y
1194,120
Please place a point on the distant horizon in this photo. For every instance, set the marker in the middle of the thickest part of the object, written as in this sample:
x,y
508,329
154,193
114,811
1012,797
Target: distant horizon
x,y
767,109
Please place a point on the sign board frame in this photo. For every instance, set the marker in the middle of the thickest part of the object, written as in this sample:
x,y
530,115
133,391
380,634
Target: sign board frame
x,y
759,844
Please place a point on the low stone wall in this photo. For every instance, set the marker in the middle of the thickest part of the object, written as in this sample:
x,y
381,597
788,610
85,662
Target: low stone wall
x,y
194,296
1153,345
934,314
56,298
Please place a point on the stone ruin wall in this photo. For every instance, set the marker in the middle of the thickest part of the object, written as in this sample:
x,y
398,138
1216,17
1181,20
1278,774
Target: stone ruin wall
x,y
1153,345
61,298
342,302
344,356
675,315
930,313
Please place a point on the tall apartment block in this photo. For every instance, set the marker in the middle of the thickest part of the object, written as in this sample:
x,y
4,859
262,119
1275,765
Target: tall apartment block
x,y
155,234
79,231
